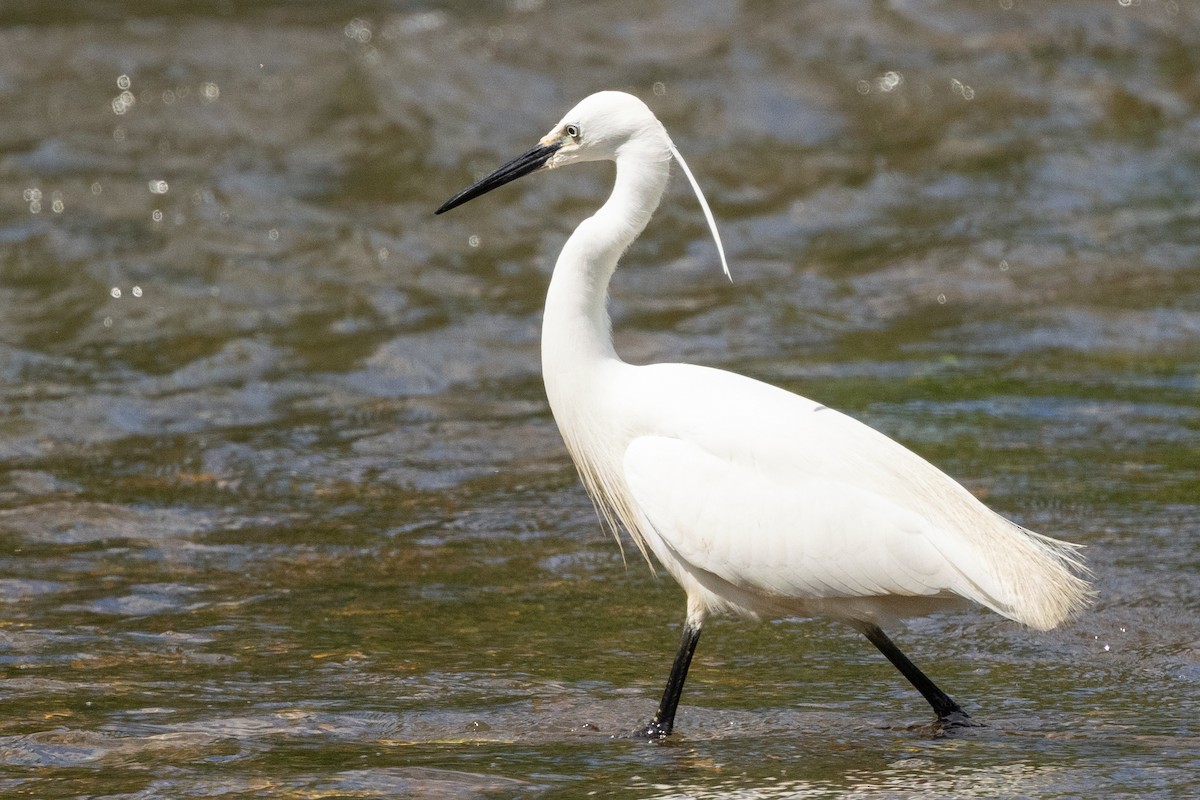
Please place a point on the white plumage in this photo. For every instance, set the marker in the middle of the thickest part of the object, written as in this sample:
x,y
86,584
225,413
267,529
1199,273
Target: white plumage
x,y
756,500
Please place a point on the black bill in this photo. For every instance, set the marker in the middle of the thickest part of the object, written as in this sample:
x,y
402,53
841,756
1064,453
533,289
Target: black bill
x,y
521,165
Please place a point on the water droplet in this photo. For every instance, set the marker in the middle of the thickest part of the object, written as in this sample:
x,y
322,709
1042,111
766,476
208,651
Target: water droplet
x,y
136,291
889,81
659,88
383,254
942,299
1004,265
209,91
273,234
473,240
123,102
358,30
158,187
97,188
108,322
123,82
863,87
115,292
156,215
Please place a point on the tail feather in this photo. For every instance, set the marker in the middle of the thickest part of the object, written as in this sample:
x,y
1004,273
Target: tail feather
x,y
1033,579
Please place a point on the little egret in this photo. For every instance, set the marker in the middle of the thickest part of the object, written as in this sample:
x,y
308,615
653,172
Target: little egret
x,y
757,501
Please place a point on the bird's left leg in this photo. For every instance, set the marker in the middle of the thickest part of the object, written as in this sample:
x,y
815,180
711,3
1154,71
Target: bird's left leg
x,y
949,713
664,719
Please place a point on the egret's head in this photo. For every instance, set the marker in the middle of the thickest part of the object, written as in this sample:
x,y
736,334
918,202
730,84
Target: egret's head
x,y
595,130
603,127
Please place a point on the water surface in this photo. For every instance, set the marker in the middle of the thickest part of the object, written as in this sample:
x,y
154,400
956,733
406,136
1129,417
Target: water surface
x,y
283,512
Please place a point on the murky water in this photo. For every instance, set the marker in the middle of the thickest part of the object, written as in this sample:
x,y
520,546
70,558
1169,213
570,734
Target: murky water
x,y
282,509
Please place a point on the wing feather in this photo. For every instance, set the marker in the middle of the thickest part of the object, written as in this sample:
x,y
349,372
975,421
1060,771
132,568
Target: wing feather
x,y
806,538
780,497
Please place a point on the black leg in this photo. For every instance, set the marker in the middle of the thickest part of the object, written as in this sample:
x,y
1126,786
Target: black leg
x,y
949,713
664,719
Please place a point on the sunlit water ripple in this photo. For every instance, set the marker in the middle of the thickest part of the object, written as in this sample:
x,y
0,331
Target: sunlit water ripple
x,y
282,509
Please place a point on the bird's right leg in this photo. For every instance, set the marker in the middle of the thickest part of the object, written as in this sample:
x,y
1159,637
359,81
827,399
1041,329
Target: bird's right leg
x,y
664,719
949,713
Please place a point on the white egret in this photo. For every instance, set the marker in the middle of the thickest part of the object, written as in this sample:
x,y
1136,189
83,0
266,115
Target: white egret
x,y
757,501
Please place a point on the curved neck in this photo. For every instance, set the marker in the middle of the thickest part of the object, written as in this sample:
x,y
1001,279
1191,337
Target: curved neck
x,y
576,330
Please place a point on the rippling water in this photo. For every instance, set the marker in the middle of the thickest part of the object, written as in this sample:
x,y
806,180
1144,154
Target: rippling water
x,y
282,509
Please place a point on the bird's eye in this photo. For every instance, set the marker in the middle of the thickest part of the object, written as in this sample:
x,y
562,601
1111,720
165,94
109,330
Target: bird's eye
x,y
572,131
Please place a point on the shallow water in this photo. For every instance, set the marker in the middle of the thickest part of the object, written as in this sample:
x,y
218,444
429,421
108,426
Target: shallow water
x,y
282,509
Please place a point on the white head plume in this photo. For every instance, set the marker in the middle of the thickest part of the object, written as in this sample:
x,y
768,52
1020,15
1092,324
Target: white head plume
x,y
708,215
